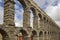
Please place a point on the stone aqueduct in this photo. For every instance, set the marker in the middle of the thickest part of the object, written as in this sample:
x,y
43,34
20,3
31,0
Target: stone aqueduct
x,y
47,29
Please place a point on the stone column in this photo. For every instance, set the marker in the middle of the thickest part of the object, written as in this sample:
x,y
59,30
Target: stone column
x,y
43,36
38,36
47,35
35,38
9,12
35,21
13,37
12,34
5,38
28,37
41,23
26,17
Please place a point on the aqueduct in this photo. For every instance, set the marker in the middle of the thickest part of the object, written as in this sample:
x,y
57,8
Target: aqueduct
x,y
46,29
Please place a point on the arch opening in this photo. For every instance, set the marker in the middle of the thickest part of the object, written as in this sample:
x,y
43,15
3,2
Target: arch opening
x,y
1,12
33,10
23,34
41,33
19,10
35,17
3,35
32,15
45,33
39,19
34,33
31,18
23,3
40,16
45,18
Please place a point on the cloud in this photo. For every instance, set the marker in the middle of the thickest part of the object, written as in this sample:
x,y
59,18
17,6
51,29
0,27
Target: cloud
x,y
18,14
19,23
1,15
58,22
44,3
54,12
31,18
1,11
51,7
55,3
39,2
1,0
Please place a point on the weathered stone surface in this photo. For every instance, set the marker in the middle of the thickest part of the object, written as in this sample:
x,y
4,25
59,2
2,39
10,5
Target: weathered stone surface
x,y
47,30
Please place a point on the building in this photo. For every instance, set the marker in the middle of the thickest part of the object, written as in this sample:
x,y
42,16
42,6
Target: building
x,y
46,29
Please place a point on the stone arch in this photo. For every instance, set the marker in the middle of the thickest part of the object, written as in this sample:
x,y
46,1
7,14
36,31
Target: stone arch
x,y
33,14
45,33
23,3
33,10
44,18
35,17
4,34
40,16
31,18
34,33
41,33
48,33
20,10
47,21
23,34
39,20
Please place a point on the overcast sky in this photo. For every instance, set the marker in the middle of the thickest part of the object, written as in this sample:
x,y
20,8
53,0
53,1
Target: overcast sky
x,y
51,7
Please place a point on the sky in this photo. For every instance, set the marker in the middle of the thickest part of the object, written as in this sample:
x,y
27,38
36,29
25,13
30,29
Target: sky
x,y
51,7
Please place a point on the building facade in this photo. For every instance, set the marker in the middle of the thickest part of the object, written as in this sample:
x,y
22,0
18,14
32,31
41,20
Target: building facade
x,y
46,29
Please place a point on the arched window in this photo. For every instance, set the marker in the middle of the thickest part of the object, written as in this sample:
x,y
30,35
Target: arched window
x,y
19,9
1,11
